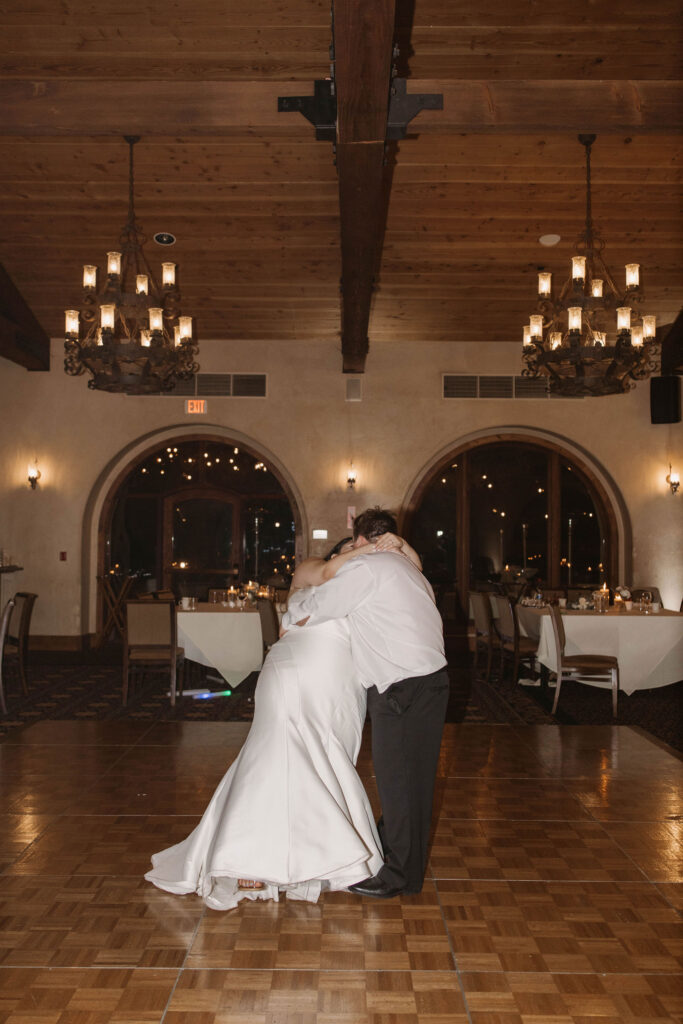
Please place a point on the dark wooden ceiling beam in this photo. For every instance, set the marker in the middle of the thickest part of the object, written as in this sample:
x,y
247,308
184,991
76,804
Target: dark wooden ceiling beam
x,y
63,107
363,44
22,339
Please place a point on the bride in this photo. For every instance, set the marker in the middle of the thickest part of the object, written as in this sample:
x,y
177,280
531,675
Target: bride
x,y
291,814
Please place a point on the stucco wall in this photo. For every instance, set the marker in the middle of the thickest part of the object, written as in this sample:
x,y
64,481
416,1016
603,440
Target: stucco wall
x,y
78,437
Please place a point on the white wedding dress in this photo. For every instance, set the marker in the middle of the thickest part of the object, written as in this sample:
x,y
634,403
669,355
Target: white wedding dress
x,y
291,811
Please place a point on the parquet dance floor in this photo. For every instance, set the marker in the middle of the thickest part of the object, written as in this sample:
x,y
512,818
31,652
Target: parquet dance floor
x,y
553,892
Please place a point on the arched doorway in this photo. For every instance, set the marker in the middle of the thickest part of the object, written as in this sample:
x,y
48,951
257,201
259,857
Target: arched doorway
x,y
509,507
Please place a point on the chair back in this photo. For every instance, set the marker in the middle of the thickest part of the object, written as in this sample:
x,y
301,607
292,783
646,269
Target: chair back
x,y
150,624
558,632
506,623
637,593
20,618
5,619
481,612
270,626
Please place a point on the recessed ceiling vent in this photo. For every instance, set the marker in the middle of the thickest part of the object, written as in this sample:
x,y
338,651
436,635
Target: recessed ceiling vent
x,y
470,385
220,385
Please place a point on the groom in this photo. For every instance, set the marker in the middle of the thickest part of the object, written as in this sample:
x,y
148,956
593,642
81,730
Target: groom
x,y
398,651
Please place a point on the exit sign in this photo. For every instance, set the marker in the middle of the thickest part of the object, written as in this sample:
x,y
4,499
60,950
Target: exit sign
x,y
196,406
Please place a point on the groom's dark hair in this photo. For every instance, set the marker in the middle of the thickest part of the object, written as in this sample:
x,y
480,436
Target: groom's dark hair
x,y
372,523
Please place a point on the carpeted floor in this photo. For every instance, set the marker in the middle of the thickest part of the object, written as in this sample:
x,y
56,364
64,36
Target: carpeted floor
x,y
88,686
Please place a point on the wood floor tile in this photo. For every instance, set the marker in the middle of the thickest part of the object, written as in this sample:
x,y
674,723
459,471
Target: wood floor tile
x,y
102,844
178,762
197,734
78,733
84,996
514,998
656,847
576,928
612,798
507,798
539,850
341,931
316,997
92,921
590,751
673,893
123,793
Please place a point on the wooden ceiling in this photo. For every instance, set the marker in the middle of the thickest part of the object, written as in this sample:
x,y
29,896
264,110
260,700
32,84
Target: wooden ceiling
x,y
254,200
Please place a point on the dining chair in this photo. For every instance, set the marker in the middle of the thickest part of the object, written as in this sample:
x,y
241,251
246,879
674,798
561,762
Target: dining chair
x,y
513,645
15,647
581,666
637,592
485,635
4,623
270,625
150,643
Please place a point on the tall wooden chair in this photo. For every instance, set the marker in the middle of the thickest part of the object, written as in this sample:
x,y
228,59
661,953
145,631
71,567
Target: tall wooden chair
x,y
485,635
513,645
16,640
582,666
150,643
270,626
4,623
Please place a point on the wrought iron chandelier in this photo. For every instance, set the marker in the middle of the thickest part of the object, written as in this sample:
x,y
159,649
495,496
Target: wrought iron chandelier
x,y
133,340
571,340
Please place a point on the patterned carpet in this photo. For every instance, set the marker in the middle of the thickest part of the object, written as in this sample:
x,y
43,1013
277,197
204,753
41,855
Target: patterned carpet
x,y
66,686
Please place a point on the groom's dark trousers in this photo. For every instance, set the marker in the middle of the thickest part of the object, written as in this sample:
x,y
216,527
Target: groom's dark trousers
x,y
407,722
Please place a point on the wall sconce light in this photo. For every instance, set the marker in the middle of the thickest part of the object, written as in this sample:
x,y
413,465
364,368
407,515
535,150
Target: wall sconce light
x,y
673,480
351,478
33,475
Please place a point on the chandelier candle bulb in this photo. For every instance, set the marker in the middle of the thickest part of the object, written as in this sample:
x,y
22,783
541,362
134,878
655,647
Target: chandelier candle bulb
x,y
544,283
632,275
649,327
145,339
168,275
527,335
599,338
555,339
89,276
636,335
624,318
142,284
114,264
156,319
107,315
185,325
71,321
536,326
579,268
177,339
596,288
574,317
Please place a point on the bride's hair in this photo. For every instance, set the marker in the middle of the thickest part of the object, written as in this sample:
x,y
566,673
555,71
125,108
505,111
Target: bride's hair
x,y
337,548
372,523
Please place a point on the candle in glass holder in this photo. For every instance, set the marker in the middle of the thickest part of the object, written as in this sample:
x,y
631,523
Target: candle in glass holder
x,y
544,282
156,319
632,275
71,321
185,325
107,314
649,327
624,318
599,337
596,288
168,275
527,335
114,263
637,335
555,339
142,284
89,276
574,318
579,268
536,326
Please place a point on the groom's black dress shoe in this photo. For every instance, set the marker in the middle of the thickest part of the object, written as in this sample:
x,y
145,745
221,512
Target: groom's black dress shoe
x,y
374,886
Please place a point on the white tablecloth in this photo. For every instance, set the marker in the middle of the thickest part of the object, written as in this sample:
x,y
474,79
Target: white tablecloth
x,y
225,639
649,647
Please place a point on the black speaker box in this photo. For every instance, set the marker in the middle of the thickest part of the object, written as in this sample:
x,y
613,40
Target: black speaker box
x,y
665,400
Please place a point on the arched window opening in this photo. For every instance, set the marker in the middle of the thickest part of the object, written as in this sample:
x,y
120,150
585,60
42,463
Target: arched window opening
x,y
198,514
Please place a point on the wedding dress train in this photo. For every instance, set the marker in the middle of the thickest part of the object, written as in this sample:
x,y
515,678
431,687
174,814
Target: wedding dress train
x,y
291,811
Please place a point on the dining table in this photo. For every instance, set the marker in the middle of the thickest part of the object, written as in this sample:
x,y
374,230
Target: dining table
x,y
648,646
226,639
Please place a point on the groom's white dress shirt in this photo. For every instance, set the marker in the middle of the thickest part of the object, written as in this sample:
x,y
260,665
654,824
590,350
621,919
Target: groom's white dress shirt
x,y
396,630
